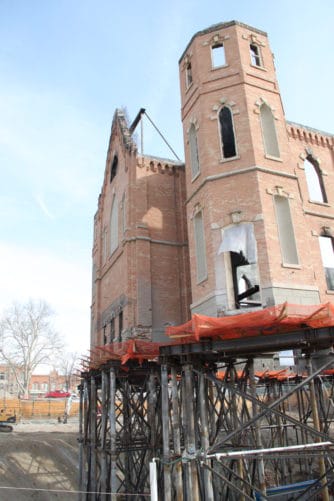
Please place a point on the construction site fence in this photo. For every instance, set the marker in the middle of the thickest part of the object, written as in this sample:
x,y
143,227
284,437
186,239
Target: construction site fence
x,y
46,408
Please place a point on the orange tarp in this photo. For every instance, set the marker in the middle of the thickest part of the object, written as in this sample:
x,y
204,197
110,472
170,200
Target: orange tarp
x,y
133,349
272,320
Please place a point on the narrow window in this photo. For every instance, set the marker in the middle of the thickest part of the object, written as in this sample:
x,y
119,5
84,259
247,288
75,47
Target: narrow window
x,y
327,255
255,55
269,131
227,133
189,75
113,169
112,330
114,226
104,334
194,162
120,325
200,247
218,55
314,181
285,230
123,213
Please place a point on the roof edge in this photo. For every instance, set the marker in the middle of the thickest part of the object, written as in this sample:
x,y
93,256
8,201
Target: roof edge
x,y
219,26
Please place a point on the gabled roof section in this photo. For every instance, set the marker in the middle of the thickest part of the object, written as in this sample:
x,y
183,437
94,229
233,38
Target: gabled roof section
x,y
120,120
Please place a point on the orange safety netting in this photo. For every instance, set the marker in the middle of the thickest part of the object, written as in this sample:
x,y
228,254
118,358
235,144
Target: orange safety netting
x,y
133,349
272,320
278,375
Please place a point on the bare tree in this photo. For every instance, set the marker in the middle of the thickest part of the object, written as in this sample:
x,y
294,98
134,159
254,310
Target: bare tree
x,y
28,339
66,367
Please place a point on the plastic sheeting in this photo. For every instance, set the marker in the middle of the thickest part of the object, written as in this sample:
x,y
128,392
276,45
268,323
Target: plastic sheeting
x,y
272,320
240,238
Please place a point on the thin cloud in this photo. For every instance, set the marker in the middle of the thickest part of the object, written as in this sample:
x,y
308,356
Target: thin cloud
x,y
43,207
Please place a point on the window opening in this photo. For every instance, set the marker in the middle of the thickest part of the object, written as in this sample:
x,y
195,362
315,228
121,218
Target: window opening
x,y
240,243
104,334
112,330
269,131
189,75
114,226
285,230
113,169
327,256
194,161
200,247
218,55
120,325
227,133
255,55
314,181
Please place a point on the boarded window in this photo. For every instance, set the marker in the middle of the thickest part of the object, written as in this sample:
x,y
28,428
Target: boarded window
x,y
327,255
227,133
314,181
200,247
114,226
269,131
285,230
194,162
218,55
255,55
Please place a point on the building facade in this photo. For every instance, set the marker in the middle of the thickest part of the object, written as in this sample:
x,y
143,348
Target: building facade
x,y
140,254
246,223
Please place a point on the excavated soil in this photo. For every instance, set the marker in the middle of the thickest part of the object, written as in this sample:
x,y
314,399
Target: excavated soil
x,y
39,461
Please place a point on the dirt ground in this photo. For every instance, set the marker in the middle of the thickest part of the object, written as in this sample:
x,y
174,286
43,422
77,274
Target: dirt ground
x,y
39,461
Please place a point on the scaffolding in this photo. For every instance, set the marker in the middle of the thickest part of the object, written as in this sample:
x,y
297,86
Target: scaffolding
x,y
208,426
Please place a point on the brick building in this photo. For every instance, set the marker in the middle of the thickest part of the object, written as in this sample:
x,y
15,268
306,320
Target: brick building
x,y
254,201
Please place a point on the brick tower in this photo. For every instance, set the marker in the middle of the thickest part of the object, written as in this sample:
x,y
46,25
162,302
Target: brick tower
x,y
258,188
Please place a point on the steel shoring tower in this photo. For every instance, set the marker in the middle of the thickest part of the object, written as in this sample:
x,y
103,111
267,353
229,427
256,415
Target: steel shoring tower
x,y
215,431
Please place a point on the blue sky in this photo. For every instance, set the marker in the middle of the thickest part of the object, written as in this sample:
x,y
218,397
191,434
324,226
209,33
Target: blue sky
x,y
65,66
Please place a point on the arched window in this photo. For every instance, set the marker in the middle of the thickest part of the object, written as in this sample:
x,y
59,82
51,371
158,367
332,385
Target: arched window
x,y
113,169
314,180
227,133
194,162
114,226
327,255
269,131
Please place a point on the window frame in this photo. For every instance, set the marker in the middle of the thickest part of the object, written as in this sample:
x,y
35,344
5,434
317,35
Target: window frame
x,y
254,56
188,74
214,46
314,164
